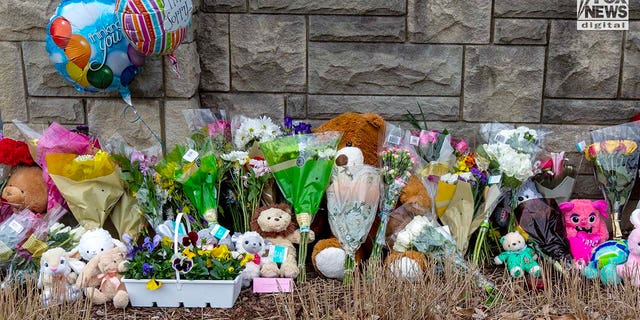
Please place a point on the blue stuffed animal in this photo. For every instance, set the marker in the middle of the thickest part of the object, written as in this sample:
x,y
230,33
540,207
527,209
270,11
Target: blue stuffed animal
x,y
604,260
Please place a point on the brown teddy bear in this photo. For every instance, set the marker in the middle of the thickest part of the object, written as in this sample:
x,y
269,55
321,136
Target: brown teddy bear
x,y
25,188
276,224
101,277
365,131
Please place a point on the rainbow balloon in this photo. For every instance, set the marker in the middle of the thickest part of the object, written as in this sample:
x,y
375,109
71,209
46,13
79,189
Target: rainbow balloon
x,y
155,27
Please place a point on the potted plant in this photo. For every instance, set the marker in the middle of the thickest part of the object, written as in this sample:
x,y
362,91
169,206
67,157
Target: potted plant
x,y
192,272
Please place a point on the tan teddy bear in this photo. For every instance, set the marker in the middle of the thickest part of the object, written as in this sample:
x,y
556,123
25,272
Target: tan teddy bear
x,y
100,279
276,224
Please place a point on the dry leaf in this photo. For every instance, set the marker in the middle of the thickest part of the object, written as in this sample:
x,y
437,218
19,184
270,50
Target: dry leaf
x,y
479,314
512,315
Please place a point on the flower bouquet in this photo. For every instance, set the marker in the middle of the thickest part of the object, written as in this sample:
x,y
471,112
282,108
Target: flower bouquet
x,y
615,164
426,236
352,202
301,165
555,176
90,183
395,169
202,274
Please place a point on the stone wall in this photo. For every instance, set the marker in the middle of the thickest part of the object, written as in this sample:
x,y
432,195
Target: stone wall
x,y
464,61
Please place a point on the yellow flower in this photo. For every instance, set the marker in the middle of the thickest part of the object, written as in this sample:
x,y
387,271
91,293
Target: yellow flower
x,y
221,252
208,263
247,257
230,269
166,241
153,284
188,253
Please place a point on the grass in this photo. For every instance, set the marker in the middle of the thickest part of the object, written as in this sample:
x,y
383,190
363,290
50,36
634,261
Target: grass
x,y
444,292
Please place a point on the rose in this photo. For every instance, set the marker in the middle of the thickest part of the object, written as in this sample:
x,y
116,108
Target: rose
x,y
403,241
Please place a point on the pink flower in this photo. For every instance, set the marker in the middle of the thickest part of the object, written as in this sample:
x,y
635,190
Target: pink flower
x,y
460,145
427,137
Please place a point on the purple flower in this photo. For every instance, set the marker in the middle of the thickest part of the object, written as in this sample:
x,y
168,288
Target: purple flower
x,y
288,122
147,269
150,244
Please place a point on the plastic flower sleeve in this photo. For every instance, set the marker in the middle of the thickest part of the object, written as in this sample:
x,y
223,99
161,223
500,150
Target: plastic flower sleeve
x,y
352,202
614,156
90,184
301,165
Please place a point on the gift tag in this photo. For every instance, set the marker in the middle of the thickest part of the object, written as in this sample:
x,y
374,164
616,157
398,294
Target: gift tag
x,y
414,141
581,145
191,155
181,230
219,232
16,226
494,179
277,254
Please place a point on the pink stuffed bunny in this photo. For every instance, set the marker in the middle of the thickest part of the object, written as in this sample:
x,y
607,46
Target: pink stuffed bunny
x,y
629,271
585,230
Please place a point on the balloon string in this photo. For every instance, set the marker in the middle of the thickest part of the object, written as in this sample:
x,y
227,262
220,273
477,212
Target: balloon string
x,y
104,57
138,118
174,64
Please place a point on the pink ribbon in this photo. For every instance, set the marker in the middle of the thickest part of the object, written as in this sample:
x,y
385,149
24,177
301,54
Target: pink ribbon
x,y
110,277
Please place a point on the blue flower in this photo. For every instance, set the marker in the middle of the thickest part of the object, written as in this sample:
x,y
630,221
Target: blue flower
x,y
147,269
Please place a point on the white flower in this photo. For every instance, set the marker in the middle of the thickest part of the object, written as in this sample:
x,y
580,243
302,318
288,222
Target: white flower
x,y
511,162
236,156
416,225
403,241
450,178
260,129
466,176
326,154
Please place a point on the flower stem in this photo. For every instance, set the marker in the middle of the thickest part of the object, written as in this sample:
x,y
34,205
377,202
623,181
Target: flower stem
x,y
302,256
349,264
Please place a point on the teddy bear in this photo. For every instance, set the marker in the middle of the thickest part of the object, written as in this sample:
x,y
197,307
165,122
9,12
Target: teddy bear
x,y
25,188
56,277
518,257
365,131
276,224
630,270
101,277
584,228
92,243
250,242
408,265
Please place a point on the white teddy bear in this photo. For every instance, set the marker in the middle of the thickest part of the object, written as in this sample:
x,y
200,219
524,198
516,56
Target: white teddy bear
x,y
250,242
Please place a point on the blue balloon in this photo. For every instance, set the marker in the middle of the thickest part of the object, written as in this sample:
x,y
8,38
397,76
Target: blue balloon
x,y
84,41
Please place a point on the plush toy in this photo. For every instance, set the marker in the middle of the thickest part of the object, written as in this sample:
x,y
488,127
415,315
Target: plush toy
x,y
518,257
56,278
276,224
630,270
25,188
96,241
409,265
100,279
366,132
250,242
585,229
605,260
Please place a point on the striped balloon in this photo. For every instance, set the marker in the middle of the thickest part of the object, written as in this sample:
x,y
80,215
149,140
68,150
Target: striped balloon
x,y
154,27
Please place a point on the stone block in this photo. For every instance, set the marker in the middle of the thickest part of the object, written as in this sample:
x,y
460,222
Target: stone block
x,y
149,83
582,64
225,6
559,9
503,83
631,65
25,20
520,31
105,117
389,107
379,69
213,47
185,86
449,21
296,106
589,111
268,53
249,104
61,110
356,28
355,7
175,128
13,104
